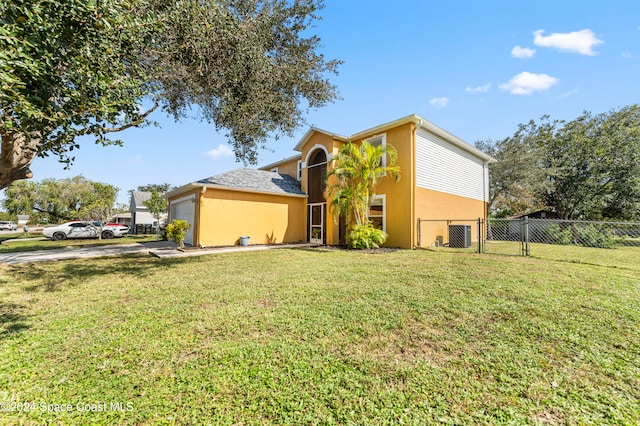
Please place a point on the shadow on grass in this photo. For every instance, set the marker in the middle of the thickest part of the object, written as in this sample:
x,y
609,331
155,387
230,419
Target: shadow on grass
x,y
11,319
54,276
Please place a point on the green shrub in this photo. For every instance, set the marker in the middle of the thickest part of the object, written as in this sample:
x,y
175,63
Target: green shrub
x,y
366,237
595,236
558,235
177,230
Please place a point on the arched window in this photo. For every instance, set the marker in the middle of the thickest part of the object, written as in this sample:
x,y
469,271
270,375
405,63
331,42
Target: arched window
x,y
317,175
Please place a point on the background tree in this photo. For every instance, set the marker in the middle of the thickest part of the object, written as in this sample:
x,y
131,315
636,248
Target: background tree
x,y
161,188
61,200
71,67
358,169
20,198
99,204
592,165
515,177
157,205
587,168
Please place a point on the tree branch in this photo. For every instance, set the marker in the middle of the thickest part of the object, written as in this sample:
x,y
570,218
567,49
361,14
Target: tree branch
x,y
135,123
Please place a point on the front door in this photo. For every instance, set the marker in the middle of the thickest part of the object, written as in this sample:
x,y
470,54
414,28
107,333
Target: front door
x,y
316,223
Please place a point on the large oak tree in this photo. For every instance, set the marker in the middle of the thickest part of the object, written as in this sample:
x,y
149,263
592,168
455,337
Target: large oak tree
x,y
70,68
586,168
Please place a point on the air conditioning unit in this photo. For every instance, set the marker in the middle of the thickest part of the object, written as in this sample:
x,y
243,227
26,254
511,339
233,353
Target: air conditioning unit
x,y
460,236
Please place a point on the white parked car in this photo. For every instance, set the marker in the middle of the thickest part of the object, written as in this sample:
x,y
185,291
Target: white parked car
x,y
7,225
84,229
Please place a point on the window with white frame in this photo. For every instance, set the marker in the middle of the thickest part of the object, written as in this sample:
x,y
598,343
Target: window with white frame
x,y
274,169
378,212
379,140
300,170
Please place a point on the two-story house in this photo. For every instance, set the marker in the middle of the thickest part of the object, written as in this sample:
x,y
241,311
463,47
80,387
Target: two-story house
x,y
443,177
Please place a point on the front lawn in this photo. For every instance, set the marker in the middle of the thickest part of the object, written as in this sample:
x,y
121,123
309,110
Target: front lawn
x,y
320,337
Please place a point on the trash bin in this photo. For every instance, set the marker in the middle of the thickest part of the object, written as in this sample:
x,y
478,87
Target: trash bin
x,y
244,241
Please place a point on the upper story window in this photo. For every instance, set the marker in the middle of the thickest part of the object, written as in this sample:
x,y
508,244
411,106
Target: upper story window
x,y
377,141
300,167
275,170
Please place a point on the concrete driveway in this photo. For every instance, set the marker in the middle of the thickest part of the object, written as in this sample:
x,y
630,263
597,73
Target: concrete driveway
x,y
161,249
71,253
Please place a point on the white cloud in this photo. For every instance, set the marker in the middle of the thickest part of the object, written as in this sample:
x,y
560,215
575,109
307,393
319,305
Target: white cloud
x,y
221,151
526,83
479,89
522,52
627,55
134,159
568,94
581,42
439,102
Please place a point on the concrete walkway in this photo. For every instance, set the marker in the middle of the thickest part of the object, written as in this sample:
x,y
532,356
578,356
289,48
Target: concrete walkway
x,y
160,249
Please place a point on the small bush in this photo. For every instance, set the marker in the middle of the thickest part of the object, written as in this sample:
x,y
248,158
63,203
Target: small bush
x,y
366,237
558,235
177,230
595,236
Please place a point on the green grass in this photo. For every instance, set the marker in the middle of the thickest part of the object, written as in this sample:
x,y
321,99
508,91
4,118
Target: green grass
x,y
322,337
618,257
29,244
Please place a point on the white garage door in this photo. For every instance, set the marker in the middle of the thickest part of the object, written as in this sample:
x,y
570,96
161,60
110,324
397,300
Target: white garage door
x,y
185,210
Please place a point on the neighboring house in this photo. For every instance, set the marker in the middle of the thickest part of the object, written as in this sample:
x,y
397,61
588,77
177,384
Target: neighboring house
x,y
538,229
140,214
122,218
538,214
23,219
443,177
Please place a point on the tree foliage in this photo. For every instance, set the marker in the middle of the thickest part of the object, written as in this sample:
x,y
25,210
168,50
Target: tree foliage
x,y
61,200
70,68
156,204
587,168
161,188
358,170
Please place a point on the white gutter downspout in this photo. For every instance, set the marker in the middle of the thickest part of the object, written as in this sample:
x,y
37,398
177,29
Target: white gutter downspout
x,y
418,124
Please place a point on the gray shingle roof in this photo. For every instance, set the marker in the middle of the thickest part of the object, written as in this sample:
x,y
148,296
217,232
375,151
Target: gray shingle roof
x,y
139,197
259,180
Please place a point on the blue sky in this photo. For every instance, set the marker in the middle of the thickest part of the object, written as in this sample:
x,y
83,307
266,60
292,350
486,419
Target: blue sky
x,y
476,69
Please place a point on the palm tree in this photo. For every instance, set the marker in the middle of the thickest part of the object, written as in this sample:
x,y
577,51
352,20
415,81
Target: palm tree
x,y
358,169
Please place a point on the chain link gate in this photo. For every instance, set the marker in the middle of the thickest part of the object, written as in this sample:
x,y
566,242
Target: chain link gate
x,y
507,236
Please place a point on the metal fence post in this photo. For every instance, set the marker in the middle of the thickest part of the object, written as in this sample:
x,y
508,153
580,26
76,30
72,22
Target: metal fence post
x,y
526,236
419,234
479,236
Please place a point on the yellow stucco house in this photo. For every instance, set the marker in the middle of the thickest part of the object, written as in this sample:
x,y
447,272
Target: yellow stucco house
x,y
443,177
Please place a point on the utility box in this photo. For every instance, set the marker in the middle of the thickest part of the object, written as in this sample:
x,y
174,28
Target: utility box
x,y
460,236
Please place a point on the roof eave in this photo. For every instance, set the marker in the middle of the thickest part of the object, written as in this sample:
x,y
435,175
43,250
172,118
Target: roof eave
x,y
385,126
277,163
312,130
181,190
250,190
453,139
190,186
